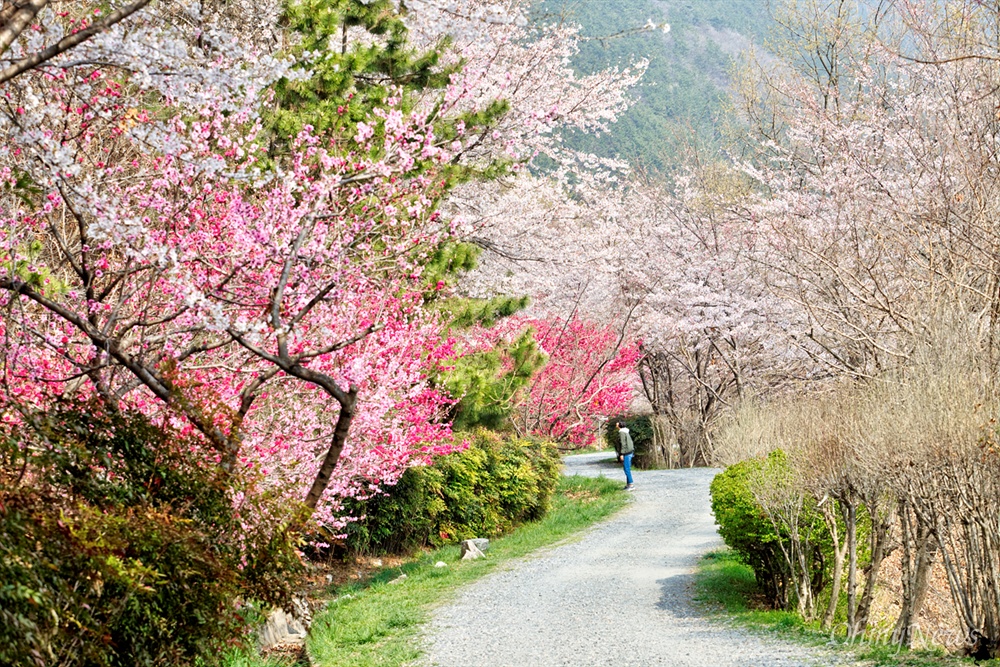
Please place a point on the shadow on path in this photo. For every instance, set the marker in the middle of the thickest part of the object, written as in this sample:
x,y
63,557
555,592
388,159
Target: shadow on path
x,y
675,596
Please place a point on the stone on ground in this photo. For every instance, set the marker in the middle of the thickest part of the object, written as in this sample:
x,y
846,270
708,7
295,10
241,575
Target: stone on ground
x,y
470,551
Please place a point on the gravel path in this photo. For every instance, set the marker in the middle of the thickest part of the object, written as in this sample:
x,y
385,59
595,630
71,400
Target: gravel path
x,y
620,596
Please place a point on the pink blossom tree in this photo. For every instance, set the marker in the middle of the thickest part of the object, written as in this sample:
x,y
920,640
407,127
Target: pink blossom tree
x,y
589,375
210,291
157,254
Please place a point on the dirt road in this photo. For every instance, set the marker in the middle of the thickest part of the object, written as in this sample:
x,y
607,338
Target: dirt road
x,y
619,596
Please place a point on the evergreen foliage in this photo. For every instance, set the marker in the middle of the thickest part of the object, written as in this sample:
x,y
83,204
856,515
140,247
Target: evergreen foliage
x,y
495,484
640,427
350,77
485,381
683,98
745,528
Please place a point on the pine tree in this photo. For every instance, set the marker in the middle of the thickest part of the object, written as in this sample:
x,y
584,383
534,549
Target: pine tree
x,y
485,381
350,74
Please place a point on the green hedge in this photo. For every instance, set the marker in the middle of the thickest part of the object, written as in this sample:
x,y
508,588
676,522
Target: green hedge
x,y
641,429
118,546
483,491
747,530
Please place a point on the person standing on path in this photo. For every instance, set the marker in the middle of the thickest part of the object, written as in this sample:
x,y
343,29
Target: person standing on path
x,y
625,451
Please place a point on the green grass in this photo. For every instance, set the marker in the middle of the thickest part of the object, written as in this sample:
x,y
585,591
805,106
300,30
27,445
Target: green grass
x,y
725,587
378,623
245,657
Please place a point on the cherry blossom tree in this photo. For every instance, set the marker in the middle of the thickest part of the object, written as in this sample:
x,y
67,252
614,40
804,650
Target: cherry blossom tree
x,y
153,308
878,198
588,375
159,252
16,16
875,204
526,64
155,255
674,265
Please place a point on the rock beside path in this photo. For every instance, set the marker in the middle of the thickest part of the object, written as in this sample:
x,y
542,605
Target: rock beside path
x,y
283,629
474,548
471,552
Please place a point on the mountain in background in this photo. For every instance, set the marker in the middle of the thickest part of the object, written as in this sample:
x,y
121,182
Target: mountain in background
x,y
683,98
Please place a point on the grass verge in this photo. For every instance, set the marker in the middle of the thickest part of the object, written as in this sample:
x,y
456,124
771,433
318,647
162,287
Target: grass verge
x,y
725,587
377,623
245,657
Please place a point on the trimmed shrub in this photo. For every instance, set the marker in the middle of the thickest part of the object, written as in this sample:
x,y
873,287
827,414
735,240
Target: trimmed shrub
x,y
746,529
641,429
485,490
762,540
120,545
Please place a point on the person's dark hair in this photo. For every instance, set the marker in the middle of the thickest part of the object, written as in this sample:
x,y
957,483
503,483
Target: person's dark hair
x,y
618,424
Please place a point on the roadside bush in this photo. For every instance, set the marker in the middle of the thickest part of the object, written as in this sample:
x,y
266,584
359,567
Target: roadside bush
x,y
120,545
647,455
639,426
746,530
495,484
641,429
776,529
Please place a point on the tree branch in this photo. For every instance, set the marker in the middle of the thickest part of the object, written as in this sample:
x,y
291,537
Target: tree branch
x,y
15,24
70,41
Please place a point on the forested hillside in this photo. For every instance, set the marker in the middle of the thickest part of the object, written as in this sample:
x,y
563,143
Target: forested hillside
x,y
683,97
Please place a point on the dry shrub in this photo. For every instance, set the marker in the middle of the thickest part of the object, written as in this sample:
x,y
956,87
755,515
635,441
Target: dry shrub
x,y
755,429
936,623
913,452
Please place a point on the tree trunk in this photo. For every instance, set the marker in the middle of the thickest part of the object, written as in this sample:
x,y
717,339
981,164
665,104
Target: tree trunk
x,y
850,512
882,518
919,549
806,603
839,551
333,453
879,540
693,442
658,455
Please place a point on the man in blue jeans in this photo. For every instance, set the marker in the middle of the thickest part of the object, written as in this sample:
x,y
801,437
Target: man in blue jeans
x,y
625,451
